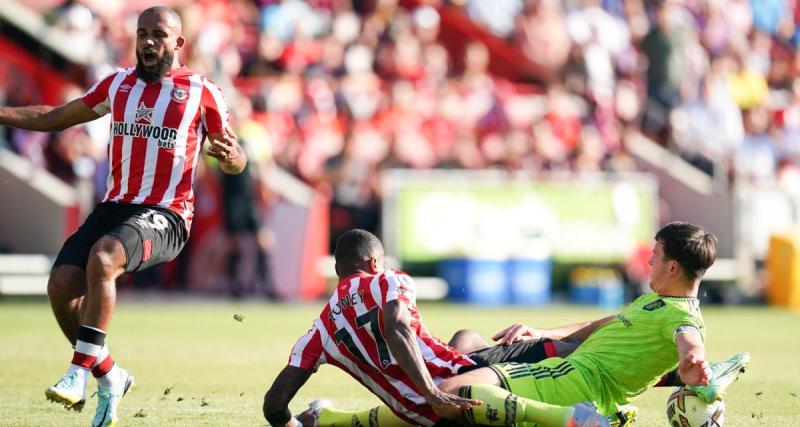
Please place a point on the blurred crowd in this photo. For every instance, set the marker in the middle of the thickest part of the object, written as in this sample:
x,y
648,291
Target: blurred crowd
x,y
716,81
334,91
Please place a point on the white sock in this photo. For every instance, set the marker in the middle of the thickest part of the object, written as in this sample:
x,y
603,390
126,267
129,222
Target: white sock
x,y
101,356
107,380
83,373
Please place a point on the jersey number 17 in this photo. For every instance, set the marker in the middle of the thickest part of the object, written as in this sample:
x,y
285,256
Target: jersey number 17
x,y
369,318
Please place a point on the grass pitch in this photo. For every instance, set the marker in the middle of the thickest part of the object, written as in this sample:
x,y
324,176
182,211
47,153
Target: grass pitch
x,y
195,365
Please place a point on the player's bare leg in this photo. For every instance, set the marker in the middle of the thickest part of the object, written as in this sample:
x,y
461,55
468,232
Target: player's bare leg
x,y
106,263
66,289
467,341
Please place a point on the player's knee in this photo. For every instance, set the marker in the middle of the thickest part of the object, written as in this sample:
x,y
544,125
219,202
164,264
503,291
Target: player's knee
x,y
464,334
467,341
107,257
65,282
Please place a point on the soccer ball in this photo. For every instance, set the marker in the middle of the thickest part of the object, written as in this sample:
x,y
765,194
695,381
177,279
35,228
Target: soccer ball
x,y
685,409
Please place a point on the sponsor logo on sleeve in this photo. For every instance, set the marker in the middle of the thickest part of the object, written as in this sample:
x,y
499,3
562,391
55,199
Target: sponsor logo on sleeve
x,y
625,321
655,305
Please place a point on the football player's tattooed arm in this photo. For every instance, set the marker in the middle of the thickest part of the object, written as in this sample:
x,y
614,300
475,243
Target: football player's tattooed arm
x,y
46,118
276,400
576,331
692,367
402,343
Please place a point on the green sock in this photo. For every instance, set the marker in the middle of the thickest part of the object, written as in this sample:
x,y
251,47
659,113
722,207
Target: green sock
x,y
501,408
379,416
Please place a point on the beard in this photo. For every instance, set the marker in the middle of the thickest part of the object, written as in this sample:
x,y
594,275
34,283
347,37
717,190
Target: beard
x,y
156,73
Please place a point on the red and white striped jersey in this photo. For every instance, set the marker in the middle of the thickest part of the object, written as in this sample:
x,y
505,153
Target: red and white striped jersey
x,y
349,334
157,131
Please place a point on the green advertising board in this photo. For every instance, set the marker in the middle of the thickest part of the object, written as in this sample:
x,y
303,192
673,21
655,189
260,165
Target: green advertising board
x,y
442,214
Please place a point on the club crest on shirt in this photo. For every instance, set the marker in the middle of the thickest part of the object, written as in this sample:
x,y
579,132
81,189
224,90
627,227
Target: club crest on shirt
x,y
179,94
125,87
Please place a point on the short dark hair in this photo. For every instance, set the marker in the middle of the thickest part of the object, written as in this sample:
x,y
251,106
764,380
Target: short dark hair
x,y
354,247
172,13
694,248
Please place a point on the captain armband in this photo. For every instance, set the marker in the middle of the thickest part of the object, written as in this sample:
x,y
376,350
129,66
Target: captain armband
x,y
686,329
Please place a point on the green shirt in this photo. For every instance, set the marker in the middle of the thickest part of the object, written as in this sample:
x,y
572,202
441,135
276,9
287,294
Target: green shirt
x,y
627,355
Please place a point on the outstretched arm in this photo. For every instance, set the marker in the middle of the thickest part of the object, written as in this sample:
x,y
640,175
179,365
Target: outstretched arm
x,y
692,368
276,401
576,331
403,345
46,118
225,147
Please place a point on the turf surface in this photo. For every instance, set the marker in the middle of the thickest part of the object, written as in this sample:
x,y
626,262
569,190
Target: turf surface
x,y
195,365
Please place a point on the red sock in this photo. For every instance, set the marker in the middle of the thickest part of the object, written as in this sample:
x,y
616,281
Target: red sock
x,y
87,348
103,363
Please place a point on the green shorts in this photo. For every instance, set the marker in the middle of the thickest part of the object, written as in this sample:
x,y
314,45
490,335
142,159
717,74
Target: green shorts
x,y
552,380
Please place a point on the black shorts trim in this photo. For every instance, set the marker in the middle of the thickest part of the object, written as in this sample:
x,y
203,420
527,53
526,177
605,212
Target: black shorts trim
x,y
124,247
530,351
